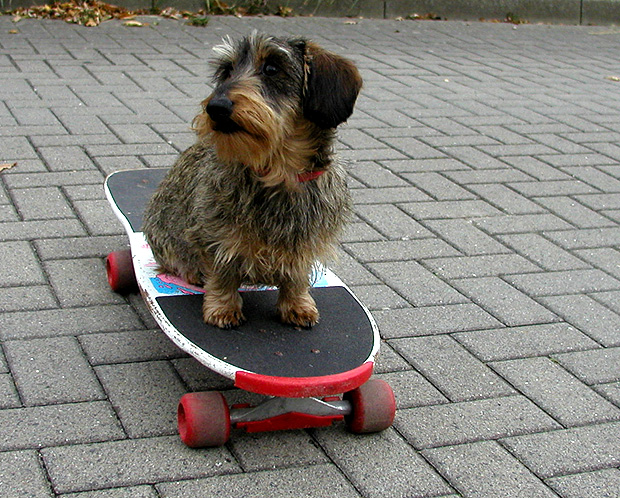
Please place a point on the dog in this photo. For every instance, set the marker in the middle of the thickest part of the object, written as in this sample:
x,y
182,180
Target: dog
x,y
260,197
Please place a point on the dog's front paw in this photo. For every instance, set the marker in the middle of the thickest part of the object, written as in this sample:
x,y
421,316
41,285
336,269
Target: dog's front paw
x,y
222,310
224,318
304,317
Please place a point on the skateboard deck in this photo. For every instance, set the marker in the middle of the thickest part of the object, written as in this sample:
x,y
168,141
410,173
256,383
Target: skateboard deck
x,y
262,355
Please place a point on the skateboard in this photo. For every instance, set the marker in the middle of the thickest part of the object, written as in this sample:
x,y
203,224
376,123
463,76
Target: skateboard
x,y
309,377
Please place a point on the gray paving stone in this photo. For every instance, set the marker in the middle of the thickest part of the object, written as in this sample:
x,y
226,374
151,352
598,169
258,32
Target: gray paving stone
x,y
470,421
552,188
199,378
71,321
521,223
449,209
42,203
81,282
131,462
17,149
486,469
285,482
536,168
128,347
80,247
53,179
136,134
351,271
371,174
549,386
437,186
392,222
542,252
563,282
360,231
411,389
378,297
600,201
595,320
593,367
610,299
53,425
388,361
34,297
269,451
585,238
506,199
19,264
387,194
504,302
98,217
453,370
479,266
486,176
597,484
417,285
145,396
466,237
8,393
362,461
474,157
66,158
394,250
433,320
30,230
574,212
606,259
129,492
22,474
49,371
568,451
521,342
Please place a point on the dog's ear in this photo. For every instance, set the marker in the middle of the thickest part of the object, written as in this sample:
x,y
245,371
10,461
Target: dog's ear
x,y
332,84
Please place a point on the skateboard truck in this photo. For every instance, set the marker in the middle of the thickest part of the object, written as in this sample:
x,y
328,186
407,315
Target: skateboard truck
x,y
204,418
289,413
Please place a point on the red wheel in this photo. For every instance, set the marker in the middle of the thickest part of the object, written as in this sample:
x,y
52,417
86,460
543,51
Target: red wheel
x,y
119,267
373,407
203,419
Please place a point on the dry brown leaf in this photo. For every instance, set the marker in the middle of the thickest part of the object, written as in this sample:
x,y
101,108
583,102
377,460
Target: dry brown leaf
x,y
5,166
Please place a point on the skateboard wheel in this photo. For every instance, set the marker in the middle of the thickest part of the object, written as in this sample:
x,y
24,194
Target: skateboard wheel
x,y
373,407
203,419
121,275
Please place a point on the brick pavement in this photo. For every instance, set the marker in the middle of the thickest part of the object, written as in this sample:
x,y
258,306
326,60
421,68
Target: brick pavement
x,y
484,168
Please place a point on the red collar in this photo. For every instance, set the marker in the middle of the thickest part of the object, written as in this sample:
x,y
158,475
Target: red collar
x,y
309,175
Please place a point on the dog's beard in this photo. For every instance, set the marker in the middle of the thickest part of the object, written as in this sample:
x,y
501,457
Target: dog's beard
x,y
270,143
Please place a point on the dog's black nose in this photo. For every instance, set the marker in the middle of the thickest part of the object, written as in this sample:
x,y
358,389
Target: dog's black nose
x,y
220,108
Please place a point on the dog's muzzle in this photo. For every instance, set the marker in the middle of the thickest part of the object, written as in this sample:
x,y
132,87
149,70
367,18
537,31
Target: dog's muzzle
x,y
220,110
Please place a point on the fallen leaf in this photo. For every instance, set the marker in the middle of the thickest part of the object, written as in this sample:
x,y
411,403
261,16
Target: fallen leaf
x,y
134,24
4,166
612,78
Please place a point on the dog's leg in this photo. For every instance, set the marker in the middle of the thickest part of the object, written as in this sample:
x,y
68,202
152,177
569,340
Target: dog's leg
x,y
222,304
296,305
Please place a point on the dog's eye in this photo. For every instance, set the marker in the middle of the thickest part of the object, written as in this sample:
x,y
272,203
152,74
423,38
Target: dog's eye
x,y
270,69
224,71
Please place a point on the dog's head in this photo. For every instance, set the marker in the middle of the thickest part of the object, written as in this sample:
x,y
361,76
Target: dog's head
x,y
275,102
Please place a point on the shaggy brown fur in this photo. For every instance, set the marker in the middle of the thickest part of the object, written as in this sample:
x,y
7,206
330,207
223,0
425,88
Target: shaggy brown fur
x,y
235,208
